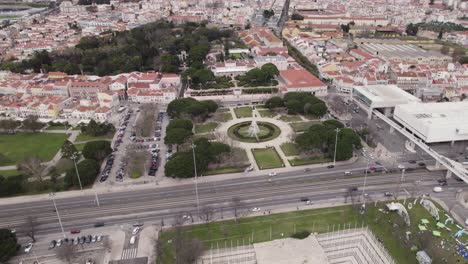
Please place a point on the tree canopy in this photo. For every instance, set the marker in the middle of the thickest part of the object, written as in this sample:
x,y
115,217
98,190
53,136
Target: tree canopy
x,y
297,16
189,107
8,245
97,150
320,138
97,129
274,102
153,46
88,170
304,103
205,152
68,150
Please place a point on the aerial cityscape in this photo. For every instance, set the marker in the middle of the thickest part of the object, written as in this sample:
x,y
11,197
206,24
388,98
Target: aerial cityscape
x,y
233,132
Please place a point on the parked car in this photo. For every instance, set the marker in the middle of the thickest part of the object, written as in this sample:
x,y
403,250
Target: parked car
x,y
28,247
75,231
135,230
255,209
388,194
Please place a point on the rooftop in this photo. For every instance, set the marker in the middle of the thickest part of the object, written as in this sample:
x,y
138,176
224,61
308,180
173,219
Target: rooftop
x,y
439,114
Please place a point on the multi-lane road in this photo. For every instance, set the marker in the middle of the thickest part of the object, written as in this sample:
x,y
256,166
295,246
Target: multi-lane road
x,y
154,204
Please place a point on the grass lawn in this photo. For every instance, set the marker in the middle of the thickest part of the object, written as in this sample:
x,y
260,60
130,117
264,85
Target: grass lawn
x,y
291,118
289,149
79,146
57,128
77,128
220,234
227,116
308,161
302,126
85,137
10,173
17,147
223,170
267,158
209,136
245,111
267,113
205,128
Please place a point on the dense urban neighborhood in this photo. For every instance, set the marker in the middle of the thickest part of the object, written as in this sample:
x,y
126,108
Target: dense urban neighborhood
x,y
249,132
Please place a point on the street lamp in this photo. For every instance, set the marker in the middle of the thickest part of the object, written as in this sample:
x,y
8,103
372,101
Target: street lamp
x,y
365,180
74,157
336,144
196,178
58,215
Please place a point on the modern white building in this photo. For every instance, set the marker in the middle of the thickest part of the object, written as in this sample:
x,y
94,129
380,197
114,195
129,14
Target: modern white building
x,y
435,122
382,97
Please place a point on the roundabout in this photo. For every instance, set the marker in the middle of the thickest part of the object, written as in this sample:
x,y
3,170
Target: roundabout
x,y
253,132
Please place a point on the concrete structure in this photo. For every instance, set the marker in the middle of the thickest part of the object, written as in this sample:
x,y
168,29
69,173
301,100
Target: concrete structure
x,y
382,97
435,122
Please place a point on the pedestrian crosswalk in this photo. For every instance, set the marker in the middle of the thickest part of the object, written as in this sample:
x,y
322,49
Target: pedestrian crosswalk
x,y
129,253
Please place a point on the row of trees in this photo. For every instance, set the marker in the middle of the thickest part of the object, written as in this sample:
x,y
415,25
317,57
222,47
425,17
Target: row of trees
x,y
153,46
191,108
8,245
181,164
298,103
95,129
320,139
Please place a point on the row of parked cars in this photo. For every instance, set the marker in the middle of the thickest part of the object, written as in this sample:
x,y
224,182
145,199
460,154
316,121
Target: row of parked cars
x,y
120,174
121,132
107,168
75,241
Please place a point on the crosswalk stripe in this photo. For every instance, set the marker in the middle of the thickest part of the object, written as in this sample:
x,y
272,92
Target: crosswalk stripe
x,y
129,253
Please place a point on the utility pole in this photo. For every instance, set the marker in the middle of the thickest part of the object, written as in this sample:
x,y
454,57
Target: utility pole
x,y
365,179
58,215
74,157
336,144
97,199
196,178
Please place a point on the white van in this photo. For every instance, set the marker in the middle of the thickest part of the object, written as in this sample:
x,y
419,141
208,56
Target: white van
x,y
347,173
132,240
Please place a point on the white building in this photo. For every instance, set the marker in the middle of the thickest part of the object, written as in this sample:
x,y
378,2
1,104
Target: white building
x,y
383,97
435,122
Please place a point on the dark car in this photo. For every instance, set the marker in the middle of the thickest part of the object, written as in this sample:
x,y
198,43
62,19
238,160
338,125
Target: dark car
x,y
412,161
82,239
98,224
388,194
331,166
422,164
89,238
304,199
75,231
52,244
353,189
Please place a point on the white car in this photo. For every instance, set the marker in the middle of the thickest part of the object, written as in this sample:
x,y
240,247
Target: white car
x,y
28,248
437,189
309,202
255,209
135,230
186,216
401,167
272,174
59,242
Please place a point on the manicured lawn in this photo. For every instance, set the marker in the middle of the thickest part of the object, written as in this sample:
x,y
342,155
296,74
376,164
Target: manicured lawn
x,y
267,158
302,126
57,128
79,146
223,170
205,128
289,149
267,113
85,137
227,116
291,118
19,146
209,136
308,161
245,111
10,173
386,226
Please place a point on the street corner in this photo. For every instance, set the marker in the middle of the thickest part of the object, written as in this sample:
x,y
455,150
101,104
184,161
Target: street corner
x,y
116,239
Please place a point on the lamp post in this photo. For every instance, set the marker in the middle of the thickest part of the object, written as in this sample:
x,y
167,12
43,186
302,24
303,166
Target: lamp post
x,y
52,195
365,180
196,178
336,144
74,157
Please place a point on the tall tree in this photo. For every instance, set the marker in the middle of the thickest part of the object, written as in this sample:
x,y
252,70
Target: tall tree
x,y
97,150
30,227
8,245
68,150
32,166
88,170
31,123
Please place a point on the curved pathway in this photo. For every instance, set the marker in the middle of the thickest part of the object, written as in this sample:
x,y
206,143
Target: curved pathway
x,y
285,135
